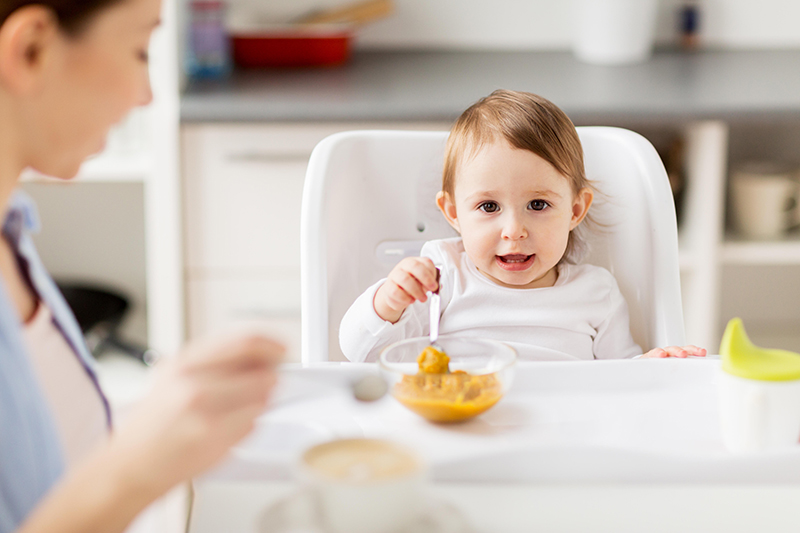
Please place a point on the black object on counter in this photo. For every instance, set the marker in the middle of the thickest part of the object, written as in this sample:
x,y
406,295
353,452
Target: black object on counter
x,y
100,312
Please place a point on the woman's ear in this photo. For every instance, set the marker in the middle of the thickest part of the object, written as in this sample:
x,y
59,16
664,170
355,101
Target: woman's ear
x,y
448,209
580,206
26,37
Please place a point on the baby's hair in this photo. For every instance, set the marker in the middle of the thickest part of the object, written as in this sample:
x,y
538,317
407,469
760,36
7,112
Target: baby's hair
x,y
527,122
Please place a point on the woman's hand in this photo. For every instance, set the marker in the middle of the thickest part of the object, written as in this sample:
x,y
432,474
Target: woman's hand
x,y
674,351
407,283
202,402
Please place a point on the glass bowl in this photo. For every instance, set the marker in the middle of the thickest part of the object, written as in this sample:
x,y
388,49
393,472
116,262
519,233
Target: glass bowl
x,y
481,371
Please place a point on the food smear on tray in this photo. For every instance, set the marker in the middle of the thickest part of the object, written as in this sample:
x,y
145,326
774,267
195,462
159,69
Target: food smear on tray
x,y
439,395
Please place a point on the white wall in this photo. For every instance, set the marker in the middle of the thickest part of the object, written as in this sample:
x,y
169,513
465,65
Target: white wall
x,y
546,24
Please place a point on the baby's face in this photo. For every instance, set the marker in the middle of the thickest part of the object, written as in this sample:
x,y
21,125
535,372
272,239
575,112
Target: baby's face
x,y
514,211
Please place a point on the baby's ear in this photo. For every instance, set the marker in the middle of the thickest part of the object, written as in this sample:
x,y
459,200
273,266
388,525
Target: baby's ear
x,y
448,209
580,206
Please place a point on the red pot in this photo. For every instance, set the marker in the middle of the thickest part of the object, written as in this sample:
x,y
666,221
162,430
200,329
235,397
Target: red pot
x,y
291,45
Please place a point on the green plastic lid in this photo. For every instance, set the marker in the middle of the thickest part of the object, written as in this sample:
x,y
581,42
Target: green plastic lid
x,y
742,358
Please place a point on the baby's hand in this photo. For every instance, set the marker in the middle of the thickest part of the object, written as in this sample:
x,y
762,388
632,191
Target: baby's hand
x,y
675,351
407,283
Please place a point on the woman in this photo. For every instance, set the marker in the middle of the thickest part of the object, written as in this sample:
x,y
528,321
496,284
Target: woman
x,y
69,70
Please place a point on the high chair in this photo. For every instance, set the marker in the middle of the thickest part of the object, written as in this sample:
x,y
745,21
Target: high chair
x,y
369,201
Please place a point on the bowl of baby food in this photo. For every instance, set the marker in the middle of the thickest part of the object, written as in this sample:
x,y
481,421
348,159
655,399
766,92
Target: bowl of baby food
x,y
455,380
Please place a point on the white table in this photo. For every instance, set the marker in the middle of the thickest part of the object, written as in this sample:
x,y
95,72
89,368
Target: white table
x,y
611,445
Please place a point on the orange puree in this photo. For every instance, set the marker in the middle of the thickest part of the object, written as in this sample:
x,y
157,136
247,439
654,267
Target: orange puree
x,y
440,396
433,361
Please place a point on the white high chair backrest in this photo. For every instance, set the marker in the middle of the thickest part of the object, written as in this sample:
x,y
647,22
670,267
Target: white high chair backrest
x,y
369,201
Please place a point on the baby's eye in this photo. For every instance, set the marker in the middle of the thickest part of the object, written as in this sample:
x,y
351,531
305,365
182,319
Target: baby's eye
x,y
488,207
538,205
143,56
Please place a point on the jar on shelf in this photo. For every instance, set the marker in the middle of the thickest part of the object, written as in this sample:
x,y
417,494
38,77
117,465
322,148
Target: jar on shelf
x,y
208,54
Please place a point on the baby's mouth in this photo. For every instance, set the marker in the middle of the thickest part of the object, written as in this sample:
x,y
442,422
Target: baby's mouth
x,y
514,262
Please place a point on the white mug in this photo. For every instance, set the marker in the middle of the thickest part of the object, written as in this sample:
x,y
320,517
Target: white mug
x,y
365,485
758,415
614,32
764,199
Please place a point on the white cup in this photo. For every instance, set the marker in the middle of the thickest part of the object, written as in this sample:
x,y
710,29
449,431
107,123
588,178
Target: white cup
x,y
614,32
764,199
365,485
758,415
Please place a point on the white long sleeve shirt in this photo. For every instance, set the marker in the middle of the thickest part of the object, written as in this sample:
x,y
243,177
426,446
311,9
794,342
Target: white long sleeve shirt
x,y
582,316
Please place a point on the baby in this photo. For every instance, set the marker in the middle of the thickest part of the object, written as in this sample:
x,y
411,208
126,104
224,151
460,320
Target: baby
x,y
515,189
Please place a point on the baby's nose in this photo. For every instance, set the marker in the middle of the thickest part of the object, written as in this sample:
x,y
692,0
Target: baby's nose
x,y
514,229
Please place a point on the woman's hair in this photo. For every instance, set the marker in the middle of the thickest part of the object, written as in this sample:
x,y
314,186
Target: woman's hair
x,y
72,15
527,122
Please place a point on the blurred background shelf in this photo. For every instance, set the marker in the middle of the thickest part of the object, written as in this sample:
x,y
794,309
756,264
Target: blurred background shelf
x,y
780,252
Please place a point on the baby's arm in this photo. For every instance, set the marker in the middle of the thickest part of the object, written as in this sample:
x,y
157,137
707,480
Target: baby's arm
x,y
674,351
363,333
407,283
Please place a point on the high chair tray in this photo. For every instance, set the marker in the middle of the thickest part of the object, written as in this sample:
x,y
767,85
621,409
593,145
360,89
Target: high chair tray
x,y
616,421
